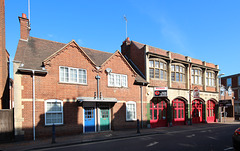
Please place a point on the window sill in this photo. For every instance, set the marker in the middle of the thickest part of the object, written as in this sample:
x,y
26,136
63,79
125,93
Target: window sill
x,y
48,125
131,120
197,84
179,81
117,87
84,84
211,86
158,79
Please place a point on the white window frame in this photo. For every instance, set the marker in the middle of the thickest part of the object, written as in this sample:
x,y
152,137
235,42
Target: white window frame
x,y
196,77
115,82
50,112
69,79
210,79
127,110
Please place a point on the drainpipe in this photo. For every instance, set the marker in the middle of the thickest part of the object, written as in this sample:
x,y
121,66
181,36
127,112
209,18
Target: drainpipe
x,y
98,78
33,105
190,87
33,78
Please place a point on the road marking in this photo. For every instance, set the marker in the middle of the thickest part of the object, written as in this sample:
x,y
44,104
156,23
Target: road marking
x,y
229,148
189,136
154,143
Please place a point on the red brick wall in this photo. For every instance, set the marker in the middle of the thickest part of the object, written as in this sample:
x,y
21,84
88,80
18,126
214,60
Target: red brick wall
x,y
4,58
49,87
198,86
136,55
179,85
234,81
155,82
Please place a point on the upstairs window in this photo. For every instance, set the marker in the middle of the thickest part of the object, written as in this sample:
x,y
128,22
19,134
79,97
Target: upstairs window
x,y
73,75
53,112
158,69
229,82
117,80
238,80
178,73
131,111
197,76
210,78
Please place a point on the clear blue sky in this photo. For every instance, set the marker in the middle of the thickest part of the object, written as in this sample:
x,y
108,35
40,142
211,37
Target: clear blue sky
x,y
208,30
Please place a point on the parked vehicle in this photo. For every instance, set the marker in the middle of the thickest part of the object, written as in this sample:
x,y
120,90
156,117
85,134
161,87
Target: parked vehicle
x,y
236,139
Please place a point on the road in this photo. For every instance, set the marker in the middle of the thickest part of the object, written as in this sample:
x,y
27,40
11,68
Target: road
x,y
207,139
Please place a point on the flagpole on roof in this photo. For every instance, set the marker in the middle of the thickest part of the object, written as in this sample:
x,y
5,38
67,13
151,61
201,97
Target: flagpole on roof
x,y
126,24
29,10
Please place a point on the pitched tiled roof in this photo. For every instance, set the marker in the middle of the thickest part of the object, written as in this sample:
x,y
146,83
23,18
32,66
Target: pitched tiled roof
x,y
139,45
34,51
98,57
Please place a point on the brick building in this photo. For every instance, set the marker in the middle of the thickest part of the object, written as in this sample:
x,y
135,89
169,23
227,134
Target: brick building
x,y
181,89
78,89
233,81
4,61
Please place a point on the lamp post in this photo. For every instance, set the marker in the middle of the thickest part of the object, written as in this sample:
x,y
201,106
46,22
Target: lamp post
x,y
219,77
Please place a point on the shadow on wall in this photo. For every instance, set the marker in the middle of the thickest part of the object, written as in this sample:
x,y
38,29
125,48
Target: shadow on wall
x,y
66,122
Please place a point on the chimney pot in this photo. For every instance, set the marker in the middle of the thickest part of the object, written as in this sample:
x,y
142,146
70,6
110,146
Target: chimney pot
x,y
24,15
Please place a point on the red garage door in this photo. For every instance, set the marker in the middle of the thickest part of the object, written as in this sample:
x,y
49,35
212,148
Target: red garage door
x,y
211,111
178,112
158,114
197,108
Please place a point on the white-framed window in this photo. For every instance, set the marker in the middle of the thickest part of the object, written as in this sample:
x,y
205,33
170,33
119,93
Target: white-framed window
x,y
229,82
178,72
158,69
117,80
196,76
210,78
131,111
72,75
53,112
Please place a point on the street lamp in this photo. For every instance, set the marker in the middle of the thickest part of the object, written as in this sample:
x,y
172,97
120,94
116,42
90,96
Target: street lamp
x,y
219,77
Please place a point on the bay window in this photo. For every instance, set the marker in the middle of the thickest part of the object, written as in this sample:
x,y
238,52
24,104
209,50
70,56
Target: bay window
x,y
158,69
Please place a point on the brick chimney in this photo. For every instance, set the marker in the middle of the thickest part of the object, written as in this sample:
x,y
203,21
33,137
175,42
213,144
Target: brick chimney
x,y
125,47
24,27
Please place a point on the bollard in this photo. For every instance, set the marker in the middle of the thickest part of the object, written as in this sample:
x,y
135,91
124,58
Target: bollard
x,y
53,134
138,126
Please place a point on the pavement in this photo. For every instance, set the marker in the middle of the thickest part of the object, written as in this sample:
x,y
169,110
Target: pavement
x,y
107,135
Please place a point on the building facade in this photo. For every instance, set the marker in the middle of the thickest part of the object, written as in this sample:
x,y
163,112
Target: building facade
x,y
77,89
233,81
4,62
181,90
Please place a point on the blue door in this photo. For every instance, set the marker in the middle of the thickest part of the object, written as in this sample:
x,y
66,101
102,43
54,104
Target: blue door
x,y
89,114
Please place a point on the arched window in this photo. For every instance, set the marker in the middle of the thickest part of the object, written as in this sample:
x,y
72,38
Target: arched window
x,y
178,72
53,112
210,78
196,76
158,69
